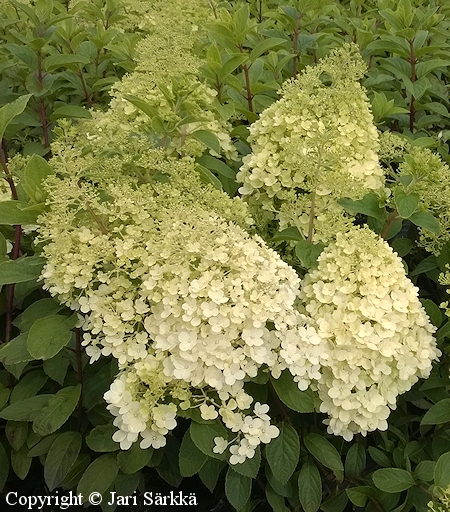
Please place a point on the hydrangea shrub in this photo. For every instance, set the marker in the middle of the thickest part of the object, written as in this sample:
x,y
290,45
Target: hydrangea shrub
x,y
231,276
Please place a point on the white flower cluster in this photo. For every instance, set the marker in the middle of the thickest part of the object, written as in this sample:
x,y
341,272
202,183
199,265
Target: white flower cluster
x,y
318,139
253,430
185,301
166,81
377,335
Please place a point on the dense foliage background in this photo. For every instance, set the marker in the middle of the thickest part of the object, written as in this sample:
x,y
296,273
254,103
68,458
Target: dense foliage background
x,y
129,131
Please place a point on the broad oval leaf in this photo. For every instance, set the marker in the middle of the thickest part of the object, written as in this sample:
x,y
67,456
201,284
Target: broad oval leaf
x,y
288,392
203,435
27,409
323,451
438,413
208,139
47,336
57,411
60,458
310,487
393,480
426,220
282,453
237,488
190,458
11,110
21,270
99,476
132,460
100,439
442,471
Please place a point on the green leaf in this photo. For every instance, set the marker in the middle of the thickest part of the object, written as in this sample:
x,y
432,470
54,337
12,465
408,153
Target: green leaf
x,y
47,336
207,176
282,453
39,309
426,67
27,409
237,488
433,311
392,480
125,485
310,487
426,220
168,467
16,433
429,263
323,451
288,234
250,467
56,367
368,205
417,88
36,171
406,203
276,501
425,470
24,269
29,385
355,461
191,459
308,253
214,164
43,446
70,111
132,460
21,462
203,434
24,53
402,246
209,474
265,46
15,351
142,105
15,213
61,457
208,139
379,457
438,413
288,392
359,495
99,476
336,503
4,467
60,60
231,64
442,471
57,411
99,439
9,111
4,395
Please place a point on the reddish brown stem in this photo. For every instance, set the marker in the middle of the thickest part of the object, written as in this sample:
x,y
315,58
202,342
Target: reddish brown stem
x,y
86,93
248,88
16,246
79,353
41,106
393,216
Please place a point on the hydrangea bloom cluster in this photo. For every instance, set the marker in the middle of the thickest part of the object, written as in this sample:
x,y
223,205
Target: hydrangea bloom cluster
x,y
315,145
187,302
430,178
378,337
165,79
